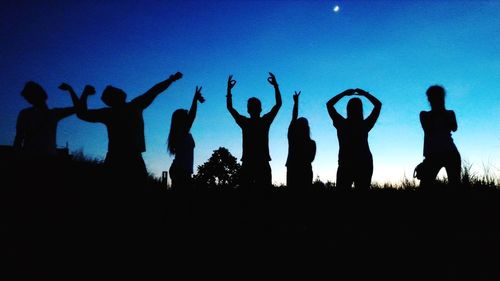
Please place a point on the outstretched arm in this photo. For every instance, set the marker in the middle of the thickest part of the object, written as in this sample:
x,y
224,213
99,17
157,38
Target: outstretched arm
x,y
148,97
277,95
330,105
194,107
377,106
229,100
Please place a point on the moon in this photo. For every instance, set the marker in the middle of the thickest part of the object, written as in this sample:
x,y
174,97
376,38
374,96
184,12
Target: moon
x,y
336,8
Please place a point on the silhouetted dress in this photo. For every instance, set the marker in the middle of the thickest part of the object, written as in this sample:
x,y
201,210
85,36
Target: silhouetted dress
x,y
439,148
301,153
125,127
255,167
182,166
355,158
36,129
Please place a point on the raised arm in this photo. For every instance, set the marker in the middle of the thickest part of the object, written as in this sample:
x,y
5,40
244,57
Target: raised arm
x,y
97,115
277,95
148,97
377,106
330,105
74,98
65,112
194,106
295,111
229,100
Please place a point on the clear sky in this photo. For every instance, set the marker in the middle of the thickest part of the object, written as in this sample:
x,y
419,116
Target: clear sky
x,y
393,49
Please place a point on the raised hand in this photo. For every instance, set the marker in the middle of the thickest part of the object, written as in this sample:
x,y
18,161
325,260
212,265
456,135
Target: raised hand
x,y
88,90
230,82
198,96
272,80
65,87
348,92
361,92
296,96
175,77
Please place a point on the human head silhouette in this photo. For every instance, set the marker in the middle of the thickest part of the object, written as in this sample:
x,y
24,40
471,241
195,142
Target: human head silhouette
x,y
178,128
435,96
254,107
112,96
355,109
302,130
34,94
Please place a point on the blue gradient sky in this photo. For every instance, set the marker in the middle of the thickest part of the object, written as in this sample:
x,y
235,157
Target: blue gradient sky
x,y
393,49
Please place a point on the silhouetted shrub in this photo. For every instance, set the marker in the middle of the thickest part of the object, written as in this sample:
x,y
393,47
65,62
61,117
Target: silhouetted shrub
x,y
220,171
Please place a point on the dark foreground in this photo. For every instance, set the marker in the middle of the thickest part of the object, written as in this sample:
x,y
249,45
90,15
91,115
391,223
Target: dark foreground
x,y
81,226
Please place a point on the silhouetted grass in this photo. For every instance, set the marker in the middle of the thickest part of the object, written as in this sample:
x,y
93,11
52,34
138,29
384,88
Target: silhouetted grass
x,y
68,218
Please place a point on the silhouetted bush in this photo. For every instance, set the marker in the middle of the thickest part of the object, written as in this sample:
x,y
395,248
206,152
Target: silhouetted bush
x,y
220,171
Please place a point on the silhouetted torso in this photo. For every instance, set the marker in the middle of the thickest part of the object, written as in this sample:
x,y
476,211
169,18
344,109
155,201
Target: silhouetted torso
x,y
300,152
184,154
125,126
38,128
353,140
437,128
255,138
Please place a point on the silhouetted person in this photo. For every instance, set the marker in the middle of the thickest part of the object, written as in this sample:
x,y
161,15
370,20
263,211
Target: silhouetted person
x,y
125,125
355,158
255,169
301,150
181,144
439,148
36,127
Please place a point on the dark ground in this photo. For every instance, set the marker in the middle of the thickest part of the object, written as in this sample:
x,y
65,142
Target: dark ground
x,y
76,225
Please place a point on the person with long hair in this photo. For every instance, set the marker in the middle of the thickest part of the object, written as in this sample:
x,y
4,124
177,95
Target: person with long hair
x,y
181,144
439,149
355,158
301,150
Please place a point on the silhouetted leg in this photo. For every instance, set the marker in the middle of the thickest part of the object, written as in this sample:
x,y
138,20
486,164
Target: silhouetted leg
x,y
290,180
264,176
181,180
431,170
307,177
363,178
295,178
345,177
246,176
453,169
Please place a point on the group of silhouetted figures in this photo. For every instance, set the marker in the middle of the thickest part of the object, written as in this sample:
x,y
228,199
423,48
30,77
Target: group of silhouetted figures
x,y
37,126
